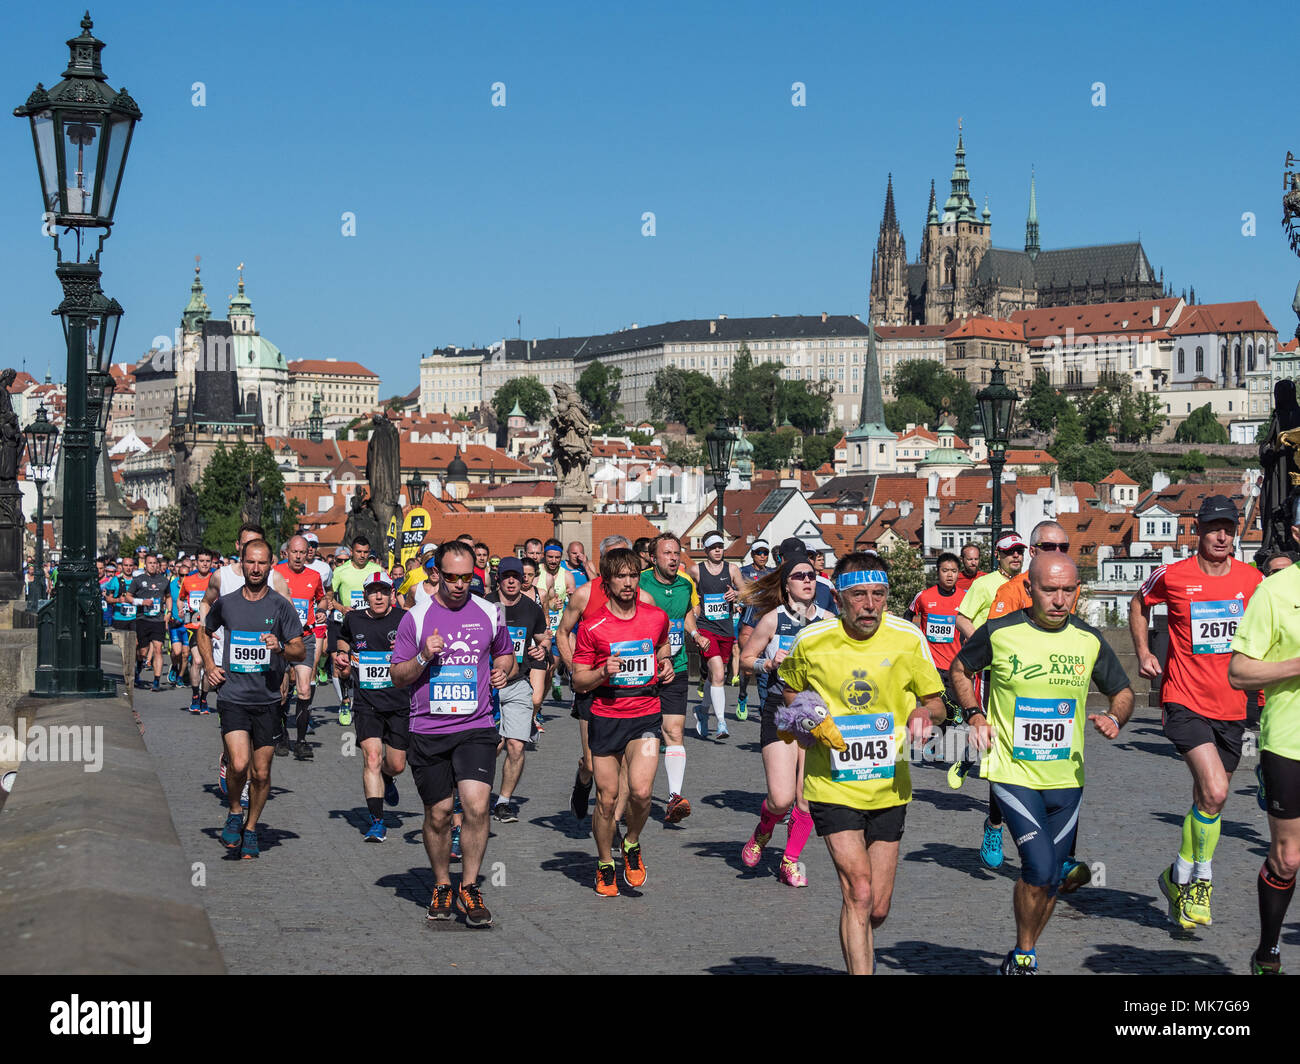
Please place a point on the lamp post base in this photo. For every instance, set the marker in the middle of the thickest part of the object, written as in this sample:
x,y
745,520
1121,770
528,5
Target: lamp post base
x,y
68,631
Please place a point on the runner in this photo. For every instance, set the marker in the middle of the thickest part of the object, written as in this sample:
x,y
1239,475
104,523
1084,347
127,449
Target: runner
x,y
322,567
673,592
973,612
349,583
192,590
970,567
643,548
264,635
874,674
785,602
383,711
621,658
718,584
537,674
176,635
577,566
1041,661
153,602
1204,717
533,550
305,592
934,611
1266,656
526,623
554,585
759,552
448,650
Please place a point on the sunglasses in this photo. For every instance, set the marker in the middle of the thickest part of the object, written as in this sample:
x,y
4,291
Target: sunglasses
x,y
1064,548
756,553
456,578
803,574
1015,550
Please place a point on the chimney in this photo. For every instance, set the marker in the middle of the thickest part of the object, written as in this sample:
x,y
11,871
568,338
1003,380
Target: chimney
x,y
905,508
713,327
932,486
721,317
823,317
1155,315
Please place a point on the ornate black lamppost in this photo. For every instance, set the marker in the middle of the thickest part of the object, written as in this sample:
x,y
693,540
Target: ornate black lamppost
x,y
81,129
415,489
42,438
720,443
997,404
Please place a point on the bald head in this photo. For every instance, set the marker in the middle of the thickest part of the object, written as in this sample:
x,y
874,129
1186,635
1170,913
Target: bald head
x,y
295,551
1053,588
1048,532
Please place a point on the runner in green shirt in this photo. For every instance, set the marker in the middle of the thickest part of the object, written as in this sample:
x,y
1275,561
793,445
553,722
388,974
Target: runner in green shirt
x,y
348,589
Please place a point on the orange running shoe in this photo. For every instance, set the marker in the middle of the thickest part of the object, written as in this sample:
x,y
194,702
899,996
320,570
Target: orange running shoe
x,y
634,873
471,904
440,907
606,884
678,808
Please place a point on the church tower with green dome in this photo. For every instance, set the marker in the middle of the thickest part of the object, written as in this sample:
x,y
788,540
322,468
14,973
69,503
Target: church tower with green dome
x,y
871,444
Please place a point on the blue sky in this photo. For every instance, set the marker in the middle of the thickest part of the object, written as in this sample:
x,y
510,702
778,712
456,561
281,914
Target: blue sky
x,y
470,216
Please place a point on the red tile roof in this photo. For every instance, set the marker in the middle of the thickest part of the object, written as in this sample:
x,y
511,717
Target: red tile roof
x,y
518,489
1095,319
910,332
1027,458
1245,316
433,458
982,328
1117,476
323,365
322,456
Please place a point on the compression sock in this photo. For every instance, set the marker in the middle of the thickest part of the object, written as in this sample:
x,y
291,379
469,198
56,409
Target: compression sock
x,y
675,766
801,826
1205,837
718,696
1274,898
376,807
304,717
1030,953
338,691
995,810
767,820
194,692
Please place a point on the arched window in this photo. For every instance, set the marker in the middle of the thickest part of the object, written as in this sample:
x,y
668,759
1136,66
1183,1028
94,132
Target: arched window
x,y
1182,363
1223,361
947,267
1200,360
1250,358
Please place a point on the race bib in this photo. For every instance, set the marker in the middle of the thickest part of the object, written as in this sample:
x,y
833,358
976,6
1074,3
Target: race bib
x,y
636,666
453,691
195,600
940,627
248,653
871,751
1214,624
358,600
784,642
676,634
301,605
126,610
715,607
373,669
152,607
519,637
553,617
1044,729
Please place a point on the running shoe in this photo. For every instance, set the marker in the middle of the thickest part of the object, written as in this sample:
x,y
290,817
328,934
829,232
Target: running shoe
x,y
250,851
1260,796
1196,902
377,832
722,731
221,776
581,796
677,809
321,678
440,907
752,852
701,721
606,882
538,722
1174,894
194,705
390,790
471,904
243,795
455,844
1018,964
1269,967
141,685
156,686
735,680
791,874
957,773
303,751
505,813
556,693
203,707
171,676
742,707
634,873
233,833
1074,874
345,713
991,847
282,748
699,691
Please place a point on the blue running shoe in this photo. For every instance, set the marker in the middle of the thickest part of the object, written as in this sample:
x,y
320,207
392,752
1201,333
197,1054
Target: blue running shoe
x,y
991,849
377,832
171,676
233,832
701,721
1074,874
742,707
194,705
455,844
221,776
243,795
251,850
390,790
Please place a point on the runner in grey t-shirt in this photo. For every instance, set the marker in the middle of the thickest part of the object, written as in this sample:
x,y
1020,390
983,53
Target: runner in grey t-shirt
x,y
263,635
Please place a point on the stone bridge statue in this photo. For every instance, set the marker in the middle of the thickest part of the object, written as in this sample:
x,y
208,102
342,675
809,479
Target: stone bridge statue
x,y
570,443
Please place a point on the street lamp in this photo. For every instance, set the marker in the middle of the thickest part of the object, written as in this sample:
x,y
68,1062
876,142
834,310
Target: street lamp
x,y
720,443
81,130
415,489
997,404
42,438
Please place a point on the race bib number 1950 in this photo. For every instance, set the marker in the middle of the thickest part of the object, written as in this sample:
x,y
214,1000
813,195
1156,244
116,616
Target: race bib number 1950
x,y
871,751
1213,625
1044,729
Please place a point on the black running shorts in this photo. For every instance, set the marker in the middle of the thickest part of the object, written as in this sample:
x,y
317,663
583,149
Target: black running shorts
x,y
439,762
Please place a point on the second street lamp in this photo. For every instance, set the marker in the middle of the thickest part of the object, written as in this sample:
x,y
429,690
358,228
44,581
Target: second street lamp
x,y
997,406
415,488
720,443
42,437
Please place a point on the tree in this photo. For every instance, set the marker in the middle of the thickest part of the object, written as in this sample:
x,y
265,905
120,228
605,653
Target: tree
x,y
817,450
755,394
932,384
1141,416
906,576
1042,408
600,388
1096,413
909,409
1201,426
1140,466
684,454
687,396
533,398
772,449
806,404
1193,462
1261,436
1069,431
221,496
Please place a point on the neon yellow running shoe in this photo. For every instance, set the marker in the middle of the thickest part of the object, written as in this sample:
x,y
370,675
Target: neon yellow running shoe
x,y
1196,902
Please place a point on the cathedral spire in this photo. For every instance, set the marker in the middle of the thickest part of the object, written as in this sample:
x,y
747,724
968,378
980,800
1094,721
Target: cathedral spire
x,y
932,215
196,311
1031,223
959,206
891,221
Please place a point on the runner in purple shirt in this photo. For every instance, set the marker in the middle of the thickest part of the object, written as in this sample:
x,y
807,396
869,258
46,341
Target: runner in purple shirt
x,y
450,651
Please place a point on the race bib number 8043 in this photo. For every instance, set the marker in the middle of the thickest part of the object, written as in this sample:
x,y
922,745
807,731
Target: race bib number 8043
x,y
872,748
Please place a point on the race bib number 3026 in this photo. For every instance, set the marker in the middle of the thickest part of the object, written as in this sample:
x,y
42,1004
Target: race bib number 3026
x,y
1214,624
872,748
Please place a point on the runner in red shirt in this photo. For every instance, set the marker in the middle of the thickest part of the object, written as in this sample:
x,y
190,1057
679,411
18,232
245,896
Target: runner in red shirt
x,y
193,588
622,654
1204,717
970,567
934,611
305,591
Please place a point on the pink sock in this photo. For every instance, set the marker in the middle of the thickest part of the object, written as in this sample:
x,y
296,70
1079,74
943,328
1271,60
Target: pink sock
x,y
800,828
767,820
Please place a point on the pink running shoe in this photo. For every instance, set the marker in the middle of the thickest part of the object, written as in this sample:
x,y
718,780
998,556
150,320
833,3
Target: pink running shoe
x,y
791,874
752,852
